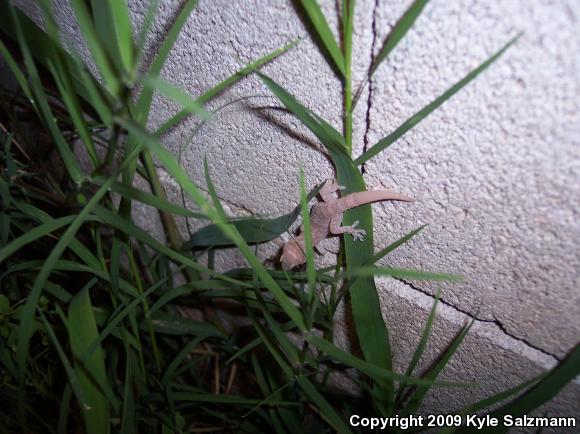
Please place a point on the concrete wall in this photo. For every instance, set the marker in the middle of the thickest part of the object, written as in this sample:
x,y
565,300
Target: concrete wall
x,y
495,171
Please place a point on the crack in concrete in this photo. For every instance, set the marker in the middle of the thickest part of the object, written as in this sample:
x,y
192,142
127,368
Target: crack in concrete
x,y
494,321
370,85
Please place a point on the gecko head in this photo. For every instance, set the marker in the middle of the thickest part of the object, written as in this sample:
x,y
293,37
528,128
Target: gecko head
x,y
292,255
329,189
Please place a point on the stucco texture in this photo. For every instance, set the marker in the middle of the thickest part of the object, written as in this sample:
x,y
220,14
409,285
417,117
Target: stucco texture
x,y
495,171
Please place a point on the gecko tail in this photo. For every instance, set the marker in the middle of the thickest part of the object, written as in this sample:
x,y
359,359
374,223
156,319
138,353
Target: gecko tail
x,y
363,197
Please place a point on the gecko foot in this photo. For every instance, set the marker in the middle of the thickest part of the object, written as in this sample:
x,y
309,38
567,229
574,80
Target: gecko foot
x,y
357,234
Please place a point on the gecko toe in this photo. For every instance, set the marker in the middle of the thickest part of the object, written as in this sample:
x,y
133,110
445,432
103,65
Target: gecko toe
x,y
358,234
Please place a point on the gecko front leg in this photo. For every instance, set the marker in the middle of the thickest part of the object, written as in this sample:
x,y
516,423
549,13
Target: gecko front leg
x,y
337,229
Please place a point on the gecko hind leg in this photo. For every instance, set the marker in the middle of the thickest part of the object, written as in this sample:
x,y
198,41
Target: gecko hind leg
x,y
323,248
337,229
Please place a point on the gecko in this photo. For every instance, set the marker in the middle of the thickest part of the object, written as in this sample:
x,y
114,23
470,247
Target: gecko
x,y
326,219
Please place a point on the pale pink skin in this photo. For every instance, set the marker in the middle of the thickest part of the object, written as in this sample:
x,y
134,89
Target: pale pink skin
x,y
326,219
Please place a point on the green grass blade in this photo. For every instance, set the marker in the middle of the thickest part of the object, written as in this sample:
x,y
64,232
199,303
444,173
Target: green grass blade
x,y
78,248
416,397
64,410
243,72
128,417
212,191
248,347
430,108
176,171
99,11
95,46
420,347
33,235
404,273
26,328
252,230
348,8
44,48
145,99
180,357
270,344
308,246
289,348
325,133
222,399
149,199
261,380
73,378
503,395
91,372
424,337
393,246
93,93
41,103
365,303
16,72
139,234
488,402
326,410
176,94
113,323
115,265
330,131
544,390
113,27
176,325
173,294
57,291
63,265
398,32
216,90
371,369
123,32
144,31
324,33
70,99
